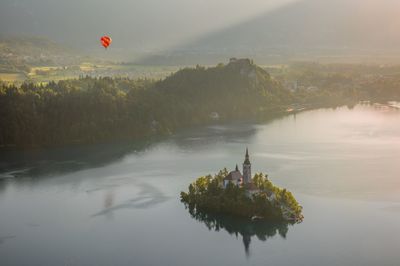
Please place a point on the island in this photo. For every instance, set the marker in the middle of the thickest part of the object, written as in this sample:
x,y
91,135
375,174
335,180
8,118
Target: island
x,y
254,198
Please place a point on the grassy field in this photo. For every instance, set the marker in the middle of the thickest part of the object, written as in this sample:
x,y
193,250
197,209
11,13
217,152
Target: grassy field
x,y
44,74
12,77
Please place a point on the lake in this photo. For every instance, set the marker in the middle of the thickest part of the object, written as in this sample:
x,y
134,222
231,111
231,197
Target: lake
x,y
119,204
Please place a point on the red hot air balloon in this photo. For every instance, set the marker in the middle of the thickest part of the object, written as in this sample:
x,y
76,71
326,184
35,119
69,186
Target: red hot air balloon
x,y
105,41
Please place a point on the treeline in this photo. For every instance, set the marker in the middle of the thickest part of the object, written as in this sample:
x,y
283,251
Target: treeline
x,y
90,110
342,83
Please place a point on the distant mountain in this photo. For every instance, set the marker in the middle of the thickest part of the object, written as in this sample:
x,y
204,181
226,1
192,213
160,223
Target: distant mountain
x,y
34,51
179,32
137,27
307,28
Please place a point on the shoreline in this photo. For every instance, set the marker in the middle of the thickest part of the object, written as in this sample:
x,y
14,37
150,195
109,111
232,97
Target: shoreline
x,y
151,138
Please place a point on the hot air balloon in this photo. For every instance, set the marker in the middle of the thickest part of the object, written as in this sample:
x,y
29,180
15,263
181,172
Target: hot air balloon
x,y
105,41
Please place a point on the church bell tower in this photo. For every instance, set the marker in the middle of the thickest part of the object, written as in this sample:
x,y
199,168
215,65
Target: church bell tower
x,y
247,168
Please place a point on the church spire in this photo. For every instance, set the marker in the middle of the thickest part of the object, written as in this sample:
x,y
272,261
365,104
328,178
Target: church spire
x,y
247,168
247,157
236,169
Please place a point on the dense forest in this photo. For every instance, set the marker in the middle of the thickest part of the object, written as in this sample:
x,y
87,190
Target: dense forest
x,y
89,110
92,110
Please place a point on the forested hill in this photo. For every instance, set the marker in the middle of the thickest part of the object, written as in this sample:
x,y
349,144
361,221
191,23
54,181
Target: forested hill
x,y
239,89
90,110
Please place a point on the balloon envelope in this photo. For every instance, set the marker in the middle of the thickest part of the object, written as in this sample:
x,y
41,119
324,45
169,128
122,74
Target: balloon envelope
x,y
105,41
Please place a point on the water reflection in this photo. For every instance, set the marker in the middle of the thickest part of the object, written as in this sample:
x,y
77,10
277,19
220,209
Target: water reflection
x,y
200,137
147,197
41,163
246,228
57,161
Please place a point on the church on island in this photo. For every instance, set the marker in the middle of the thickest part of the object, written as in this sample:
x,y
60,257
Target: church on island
x,y
245,180
259,199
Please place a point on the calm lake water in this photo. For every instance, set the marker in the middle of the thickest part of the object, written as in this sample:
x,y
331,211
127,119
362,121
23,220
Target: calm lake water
x,y
119,204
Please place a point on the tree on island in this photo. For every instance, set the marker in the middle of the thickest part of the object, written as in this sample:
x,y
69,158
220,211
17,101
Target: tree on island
x,y
270,203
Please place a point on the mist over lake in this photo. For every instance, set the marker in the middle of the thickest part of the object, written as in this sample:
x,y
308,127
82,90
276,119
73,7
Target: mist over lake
x,y
118,204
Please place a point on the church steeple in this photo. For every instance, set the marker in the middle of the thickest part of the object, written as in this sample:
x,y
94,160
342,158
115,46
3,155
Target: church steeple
x,y
247,168
247,157
236,169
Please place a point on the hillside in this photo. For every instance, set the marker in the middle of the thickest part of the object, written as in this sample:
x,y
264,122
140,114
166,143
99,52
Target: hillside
x,y
32,51
239,88
25,58
89,110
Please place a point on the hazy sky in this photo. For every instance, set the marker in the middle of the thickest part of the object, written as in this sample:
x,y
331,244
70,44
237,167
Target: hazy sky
x,y
145,24
140,26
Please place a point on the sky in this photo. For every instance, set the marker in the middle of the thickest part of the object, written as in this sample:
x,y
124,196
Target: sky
x,y
143,24
141,27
